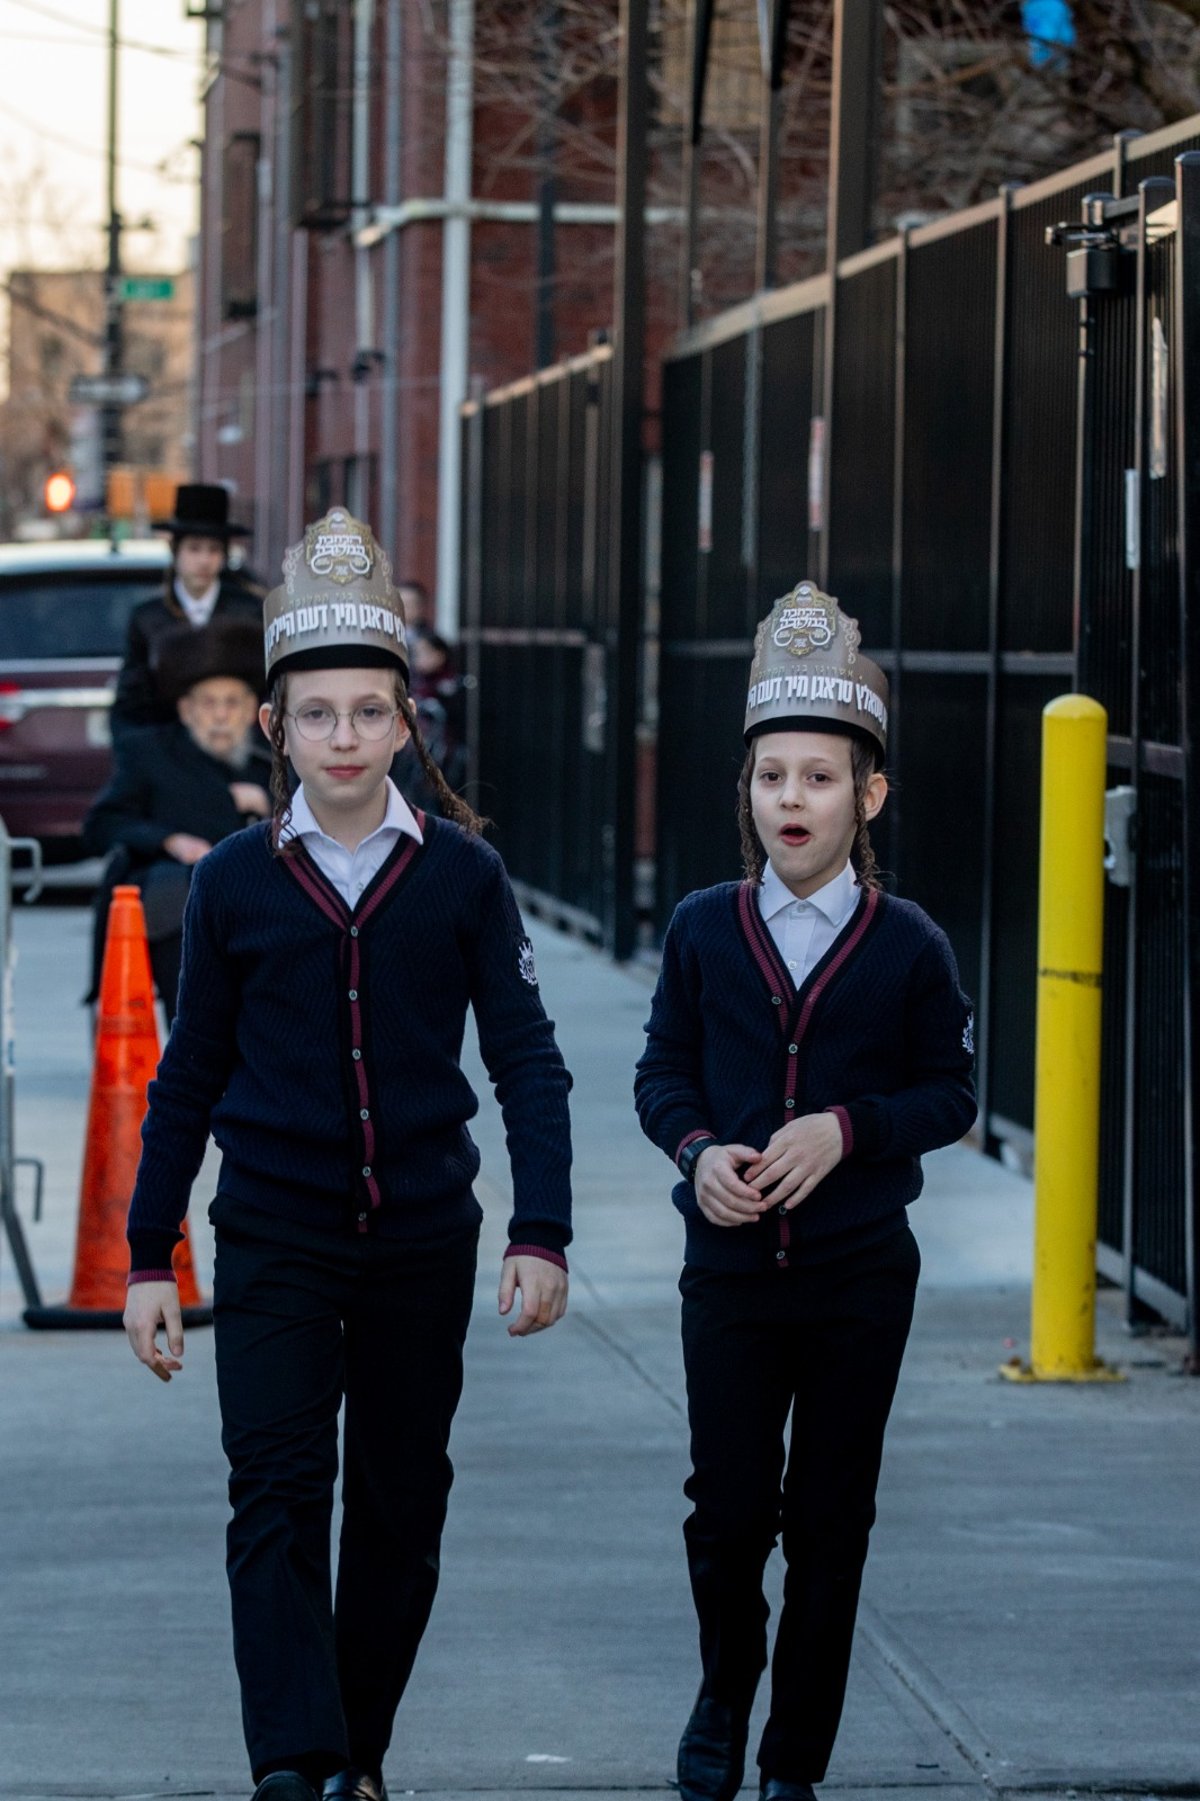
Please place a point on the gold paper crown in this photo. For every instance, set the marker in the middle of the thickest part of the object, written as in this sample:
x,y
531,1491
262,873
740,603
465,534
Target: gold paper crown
x,y
337,606
808,673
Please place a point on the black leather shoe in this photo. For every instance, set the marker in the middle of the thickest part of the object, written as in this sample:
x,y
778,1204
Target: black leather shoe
x,y
774,1788
284,1785
712,1752
354,1785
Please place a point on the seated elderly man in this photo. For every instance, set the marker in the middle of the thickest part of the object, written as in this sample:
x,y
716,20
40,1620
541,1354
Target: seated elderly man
x,y
177,789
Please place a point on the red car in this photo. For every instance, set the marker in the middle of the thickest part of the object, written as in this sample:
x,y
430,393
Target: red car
x,y
64,609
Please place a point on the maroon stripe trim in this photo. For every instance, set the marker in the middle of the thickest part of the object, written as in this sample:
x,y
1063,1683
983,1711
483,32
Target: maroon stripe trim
x,y
847,1128
149,1275
380,894
762,948
785,1241
310,879
848,949
790,1084
691,1138
360,1064
537,1250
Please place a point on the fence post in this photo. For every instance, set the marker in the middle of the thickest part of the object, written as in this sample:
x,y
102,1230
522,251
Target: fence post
x,y
1067,1078
9,1217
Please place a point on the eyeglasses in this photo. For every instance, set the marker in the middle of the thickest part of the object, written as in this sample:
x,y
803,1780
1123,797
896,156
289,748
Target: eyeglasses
x,y
371,720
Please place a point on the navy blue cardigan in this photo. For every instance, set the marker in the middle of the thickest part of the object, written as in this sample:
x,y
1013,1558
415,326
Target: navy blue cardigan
x,y
323,1048
879,1032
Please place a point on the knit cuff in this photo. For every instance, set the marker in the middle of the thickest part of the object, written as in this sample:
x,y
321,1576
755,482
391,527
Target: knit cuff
x,y
702,1132
538,1250
151,1249
149,1275
847,1128
542,1234
866,1127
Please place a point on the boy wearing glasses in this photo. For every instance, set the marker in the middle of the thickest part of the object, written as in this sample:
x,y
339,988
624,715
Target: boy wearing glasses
x,y
329,959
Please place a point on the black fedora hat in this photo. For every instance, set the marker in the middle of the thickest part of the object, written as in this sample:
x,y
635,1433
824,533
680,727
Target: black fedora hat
x,y
202,511
226,646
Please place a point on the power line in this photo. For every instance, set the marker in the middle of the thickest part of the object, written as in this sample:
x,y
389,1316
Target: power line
x,y
72,327
98,31
98,39
73,144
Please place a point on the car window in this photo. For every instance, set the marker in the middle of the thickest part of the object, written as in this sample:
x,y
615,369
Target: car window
x,y
77,615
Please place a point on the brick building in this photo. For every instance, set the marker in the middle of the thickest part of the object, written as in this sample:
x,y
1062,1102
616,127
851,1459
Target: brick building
x,y
369,253
55,332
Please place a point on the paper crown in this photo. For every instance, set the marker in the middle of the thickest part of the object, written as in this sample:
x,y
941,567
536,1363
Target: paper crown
x,y
808,675
337,607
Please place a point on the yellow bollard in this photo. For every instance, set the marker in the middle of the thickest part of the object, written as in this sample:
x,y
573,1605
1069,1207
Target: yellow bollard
x,y
1067,1078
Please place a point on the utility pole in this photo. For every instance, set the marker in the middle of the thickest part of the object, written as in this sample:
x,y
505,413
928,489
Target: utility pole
x,y
110,416
624,610
549,19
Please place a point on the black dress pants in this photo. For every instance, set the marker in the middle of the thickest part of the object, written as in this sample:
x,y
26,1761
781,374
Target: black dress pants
x,y
303,1318
824,1343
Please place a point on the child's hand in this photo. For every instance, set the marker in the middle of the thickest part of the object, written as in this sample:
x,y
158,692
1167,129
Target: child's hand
x,y
149,1305
797,1157
721,1194
543,1289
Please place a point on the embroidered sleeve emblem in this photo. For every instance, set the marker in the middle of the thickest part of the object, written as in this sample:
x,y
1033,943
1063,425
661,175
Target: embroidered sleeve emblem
x,y
968,1037
525,963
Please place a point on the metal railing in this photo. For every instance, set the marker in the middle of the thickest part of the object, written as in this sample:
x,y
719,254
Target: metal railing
x,y
913,430
9,1161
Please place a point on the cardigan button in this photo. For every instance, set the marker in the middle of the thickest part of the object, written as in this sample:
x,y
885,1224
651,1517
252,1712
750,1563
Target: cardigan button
x,y
354,994
792,1049
367,1170
356,1054
781,1256
777,1000
363,1113
354,931
789,1105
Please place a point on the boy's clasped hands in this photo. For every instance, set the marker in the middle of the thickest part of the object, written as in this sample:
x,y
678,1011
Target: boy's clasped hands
x,y
736,1184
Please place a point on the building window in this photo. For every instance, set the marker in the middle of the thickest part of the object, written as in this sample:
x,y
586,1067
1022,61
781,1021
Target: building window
x,y
322,112
52,355
361,487
146,356
319,491
239,227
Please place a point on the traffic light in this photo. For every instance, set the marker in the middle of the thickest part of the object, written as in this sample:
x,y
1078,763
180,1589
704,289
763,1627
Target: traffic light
x,y
59,492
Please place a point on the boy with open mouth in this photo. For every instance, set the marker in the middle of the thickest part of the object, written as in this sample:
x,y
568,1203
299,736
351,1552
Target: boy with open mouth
x,y
807,1043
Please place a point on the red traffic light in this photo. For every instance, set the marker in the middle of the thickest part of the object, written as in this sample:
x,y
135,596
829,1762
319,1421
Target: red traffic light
x,y
59,492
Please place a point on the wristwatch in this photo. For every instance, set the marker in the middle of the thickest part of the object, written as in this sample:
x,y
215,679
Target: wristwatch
x,y
689,1156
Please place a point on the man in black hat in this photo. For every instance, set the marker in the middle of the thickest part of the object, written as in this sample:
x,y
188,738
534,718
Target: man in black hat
x,y
199,587
178,789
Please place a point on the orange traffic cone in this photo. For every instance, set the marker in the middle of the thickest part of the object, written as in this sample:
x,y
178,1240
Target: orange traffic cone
x,y
126,1058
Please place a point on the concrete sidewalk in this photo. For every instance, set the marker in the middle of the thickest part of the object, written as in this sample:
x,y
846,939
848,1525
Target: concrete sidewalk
x,y
1031,1604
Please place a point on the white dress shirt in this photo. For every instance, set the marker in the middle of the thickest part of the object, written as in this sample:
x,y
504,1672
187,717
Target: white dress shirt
x,y
351,870
200,611
803,930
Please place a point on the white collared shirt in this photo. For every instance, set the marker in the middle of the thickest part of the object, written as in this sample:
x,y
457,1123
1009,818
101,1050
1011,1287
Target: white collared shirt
x,y
351,871
199,612
803,930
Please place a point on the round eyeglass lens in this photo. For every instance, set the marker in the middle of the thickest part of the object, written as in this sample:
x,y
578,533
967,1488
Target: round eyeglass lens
x,y
371,720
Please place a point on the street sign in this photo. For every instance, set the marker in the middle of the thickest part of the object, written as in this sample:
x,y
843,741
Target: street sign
x,y
108,390
147,287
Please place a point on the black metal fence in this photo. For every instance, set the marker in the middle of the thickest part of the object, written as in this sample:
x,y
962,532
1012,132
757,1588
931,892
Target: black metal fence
x,y
923,434
535,631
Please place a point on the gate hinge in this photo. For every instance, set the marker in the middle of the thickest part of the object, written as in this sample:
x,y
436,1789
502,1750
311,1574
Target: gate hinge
x,y
1120,809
